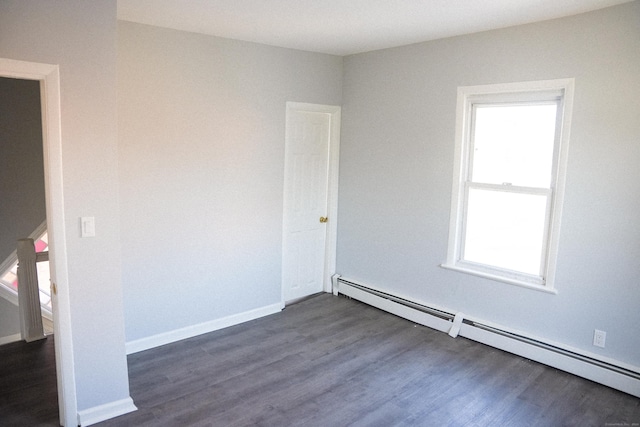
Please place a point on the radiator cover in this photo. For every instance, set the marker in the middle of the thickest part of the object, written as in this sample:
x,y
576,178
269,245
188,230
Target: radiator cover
x,y
626,379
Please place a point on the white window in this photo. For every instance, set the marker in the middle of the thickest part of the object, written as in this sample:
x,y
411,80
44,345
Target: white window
x,y
511,155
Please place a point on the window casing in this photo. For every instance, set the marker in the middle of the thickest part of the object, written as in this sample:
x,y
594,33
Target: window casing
x,y
511,155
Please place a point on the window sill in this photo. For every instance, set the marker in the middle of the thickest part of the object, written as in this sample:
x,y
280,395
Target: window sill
x,y
497,278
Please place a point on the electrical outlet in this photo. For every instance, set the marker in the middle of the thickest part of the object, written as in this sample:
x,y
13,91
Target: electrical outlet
x,y
599,338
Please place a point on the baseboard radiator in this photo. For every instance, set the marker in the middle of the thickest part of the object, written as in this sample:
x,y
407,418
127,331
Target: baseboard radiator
x,y
609,373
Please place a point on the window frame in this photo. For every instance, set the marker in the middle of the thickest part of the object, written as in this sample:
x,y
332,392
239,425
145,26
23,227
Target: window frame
x,y
524,93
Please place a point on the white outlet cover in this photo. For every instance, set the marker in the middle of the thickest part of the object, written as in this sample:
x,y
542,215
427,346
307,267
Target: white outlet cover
x,y
599,338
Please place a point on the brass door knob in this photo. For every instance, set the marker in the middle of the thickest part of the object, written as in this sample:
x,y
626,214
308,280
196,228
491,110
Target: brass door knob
x,y
323,219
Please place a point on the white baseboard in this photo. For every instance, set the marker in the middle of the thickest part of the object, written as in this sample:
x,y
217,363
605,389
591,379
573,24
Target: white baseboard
x,y
586,367
10,338
199,329
100,413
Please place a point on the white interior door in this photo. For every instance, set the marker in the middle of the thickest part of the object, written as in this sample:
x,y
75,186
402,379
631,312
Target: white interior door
x,y
305,202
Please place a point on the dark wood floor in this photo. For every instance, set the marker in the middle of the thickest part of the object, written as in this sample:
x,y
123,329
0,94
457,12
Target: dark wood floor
x,y
28,390
330,361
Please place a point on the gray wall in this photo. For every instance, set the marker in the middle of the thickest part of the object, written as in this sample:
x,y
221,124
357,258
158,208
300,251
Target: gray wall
x,y
201,148
22,205
397,164
9,319
81,37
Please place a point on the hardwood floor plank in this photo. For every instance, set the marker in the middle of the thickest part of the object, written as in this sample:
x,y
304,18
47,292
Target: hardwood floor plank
x,y
328,361
331,361
28,387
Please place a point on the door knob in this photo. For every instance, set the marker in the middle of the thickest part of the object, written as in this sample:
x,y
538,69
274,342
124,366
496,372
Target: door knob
x,y
323,219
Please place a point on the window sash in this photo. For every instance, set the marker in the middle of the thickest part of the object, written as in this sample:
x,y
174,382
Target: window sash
x,y
546,193
550,100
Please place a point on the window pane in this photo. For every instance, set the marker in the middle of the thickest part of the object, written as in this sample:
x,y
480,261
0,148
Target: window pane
x,y
505,230
514,144
11,279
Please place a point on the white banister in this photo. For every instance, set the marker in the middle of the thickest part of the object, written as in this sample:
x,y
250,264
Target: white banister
x,y
28,293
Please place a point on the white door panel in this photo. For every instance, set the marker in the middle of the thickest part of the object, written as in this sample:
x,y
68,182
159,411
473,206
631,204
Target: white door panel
x,y
305,202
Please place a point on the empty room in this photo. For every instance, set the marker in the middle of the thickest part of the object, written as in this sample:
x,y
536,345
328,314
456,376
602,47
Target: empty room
x,y
334,213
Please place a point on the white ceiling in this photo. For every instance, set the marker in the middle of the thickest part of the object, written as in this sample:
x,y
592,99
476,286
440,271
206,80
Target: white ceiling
x,y
344,27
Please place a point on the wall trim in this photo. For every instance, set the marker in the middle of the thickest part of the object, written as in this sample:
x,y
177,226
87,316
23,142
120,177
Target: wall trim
x,y
10,338
605,371
100,413
164,338
9,295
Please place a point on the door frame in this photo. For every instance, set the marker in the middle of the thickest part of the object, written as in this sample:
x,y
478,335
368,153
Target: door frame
x,y
335,112
49,77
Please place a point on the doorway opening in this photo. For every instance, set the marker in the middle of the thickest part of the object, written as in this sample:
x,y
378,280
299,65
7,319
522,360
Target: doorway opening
x,y
48,78
22,209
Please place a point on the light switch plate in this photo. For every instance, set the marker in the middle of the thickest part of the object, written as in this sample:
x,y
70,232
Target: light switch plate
x,y
87,226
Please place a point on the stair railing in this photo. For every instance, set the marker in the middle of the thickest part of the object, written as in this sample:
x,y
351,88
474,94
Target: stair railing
x,y
31,327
